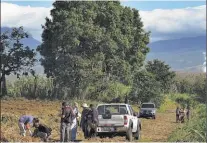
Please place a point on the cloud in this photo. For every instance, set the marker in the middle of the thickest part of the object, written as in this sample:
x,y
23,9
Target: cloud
x,y
175,23
163,23
30,18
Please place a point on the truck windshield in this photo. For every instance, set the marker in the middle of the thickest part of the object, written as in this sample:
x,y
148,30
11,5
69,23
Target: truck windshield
x,y
112,109
148,106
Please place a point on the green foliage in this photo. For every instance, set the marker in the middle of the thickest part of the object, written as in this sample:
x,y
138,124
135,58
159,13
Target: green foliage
x,y
162,74
90,46
31,87
193,84
168,104
182,99
146,88
194,130
15,57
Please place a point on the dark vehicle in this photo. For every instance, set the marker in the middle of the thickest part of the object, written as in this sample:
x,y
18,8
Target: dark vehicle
x,y
148,110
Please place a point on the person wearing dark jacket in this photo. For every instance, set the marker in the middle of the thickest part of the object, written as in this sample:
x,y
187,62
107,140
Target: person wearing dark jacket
x,y
41,131
66,121
92,121
83,123
177,114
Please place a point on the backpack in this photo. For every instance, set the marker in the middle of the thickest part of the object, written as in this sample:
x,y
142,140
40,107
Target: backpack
x,y
68,115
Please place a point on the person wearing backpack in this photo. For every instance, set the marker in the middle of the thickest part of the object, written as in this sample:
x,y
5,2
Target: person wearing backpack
x,y
66,121
41,130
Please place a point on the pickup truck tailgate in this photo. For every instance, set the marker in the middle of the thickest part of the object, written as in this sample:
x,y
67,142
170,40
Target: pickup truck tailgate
x,y
114,120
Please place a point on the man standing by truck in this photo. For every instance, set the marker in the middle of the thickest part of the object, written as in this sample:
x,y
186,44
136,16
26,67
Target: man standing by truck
x,y
92,121
83,123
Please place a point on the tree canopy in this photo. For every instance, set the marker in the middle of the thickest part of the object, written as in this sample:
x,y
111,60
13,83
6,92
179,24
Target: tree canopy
x,y
15,57
85,43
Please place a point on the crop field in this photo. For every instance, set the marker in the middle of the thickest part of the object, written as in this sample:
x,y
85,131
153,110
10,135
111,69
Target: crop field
x,y
47,111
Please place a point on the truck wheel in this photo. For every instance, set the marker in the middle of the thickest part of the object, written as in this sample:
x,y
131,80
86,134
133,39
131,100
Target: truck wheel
x,y
154,117
129,135
138,133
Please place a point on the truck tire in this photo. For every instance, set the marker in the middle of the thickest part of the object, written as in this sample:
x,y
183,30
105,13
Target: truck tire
x,y
138,133
154,117
129,135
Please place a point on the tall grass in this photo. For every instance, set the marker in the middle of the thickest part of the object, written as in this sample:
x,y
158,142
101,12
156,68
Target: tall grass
x,y
31,87
194,130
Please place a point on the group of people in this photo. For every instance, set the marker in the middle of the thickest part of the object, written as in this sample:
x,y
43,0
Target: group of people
x,y
68,125
180,114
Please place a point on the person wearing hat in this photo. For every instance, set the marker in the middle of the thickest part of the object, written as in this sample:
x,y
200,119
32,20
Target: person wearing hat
x,y
83,123
66,121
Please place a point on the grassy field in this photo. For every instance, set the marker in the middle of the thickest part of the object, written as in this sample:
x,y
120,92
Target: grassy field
x,y
47,111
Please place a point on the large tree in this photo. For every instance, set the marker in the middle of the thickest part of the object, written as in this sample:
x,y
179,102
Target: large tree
x,y
87,42
162,73
15,57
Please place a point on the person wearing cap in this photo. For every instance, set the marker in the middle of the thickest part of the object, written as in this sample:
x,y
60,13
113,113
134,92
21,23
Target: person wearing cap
x,y
83,122
66,121
24,124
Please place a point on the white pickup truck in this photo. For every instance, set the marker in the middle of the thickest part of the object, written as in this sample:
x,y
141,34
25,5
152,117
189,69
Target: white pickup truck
x,y
118,119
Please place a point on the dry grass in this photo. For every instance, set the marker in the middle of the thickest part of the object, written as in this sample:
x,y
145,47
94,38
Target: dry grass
x,y
152,130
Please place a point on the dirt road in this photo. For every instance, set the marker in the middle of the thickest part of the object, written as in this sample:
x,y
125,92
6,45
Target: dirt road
x,y
152,130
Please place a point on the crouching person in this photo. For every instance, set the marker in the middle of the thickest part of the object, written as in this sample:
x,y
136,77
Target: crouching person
x,y
25,122
41,131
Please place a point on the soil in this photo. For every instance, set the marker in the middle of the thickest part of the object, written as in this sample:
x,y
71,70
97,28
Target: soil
x,y
156,130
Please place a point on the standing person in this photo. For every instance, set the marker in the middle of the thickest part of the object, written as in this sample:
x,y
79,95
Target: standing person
x,y
74,125
177,114
41,130
92,121
181,115
83,122
24,124
188,112
66,121
126,100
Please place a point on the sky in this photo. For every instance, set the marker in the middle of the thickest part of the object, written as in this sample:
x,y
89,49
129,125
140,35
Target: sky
x,y
165,19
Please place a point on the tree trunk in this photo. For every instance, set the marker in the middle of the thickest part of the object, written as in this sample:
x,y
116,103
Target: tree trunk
x,y
3,85
35,86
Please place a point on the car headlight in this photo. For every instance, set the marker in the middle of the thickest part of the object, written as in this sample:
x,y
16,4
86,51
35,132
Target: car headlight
x,y
153,112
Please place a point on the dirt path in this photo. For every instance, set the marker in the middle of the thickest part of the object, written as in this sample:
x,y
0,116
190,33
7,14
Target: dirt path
x,y
152,130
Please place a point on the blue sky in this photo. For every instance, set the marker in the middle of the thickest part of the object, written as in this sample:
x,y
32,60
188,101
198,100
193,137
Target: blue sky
x,y
165,19
140,5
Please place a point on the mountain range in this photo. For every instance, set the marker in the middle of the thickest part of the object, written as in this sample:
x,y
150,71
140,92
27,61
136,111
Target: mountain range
x,y
185,54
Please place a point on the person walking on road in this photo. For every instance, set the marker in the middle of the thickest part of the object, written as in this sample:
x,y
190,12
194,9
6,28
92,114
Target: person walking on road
x,y
83,122
66,121
25,122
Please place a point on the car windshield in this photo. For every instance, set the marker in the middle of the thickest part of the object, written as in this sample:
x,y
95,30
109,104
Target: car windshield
x,y
148,106
112,109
